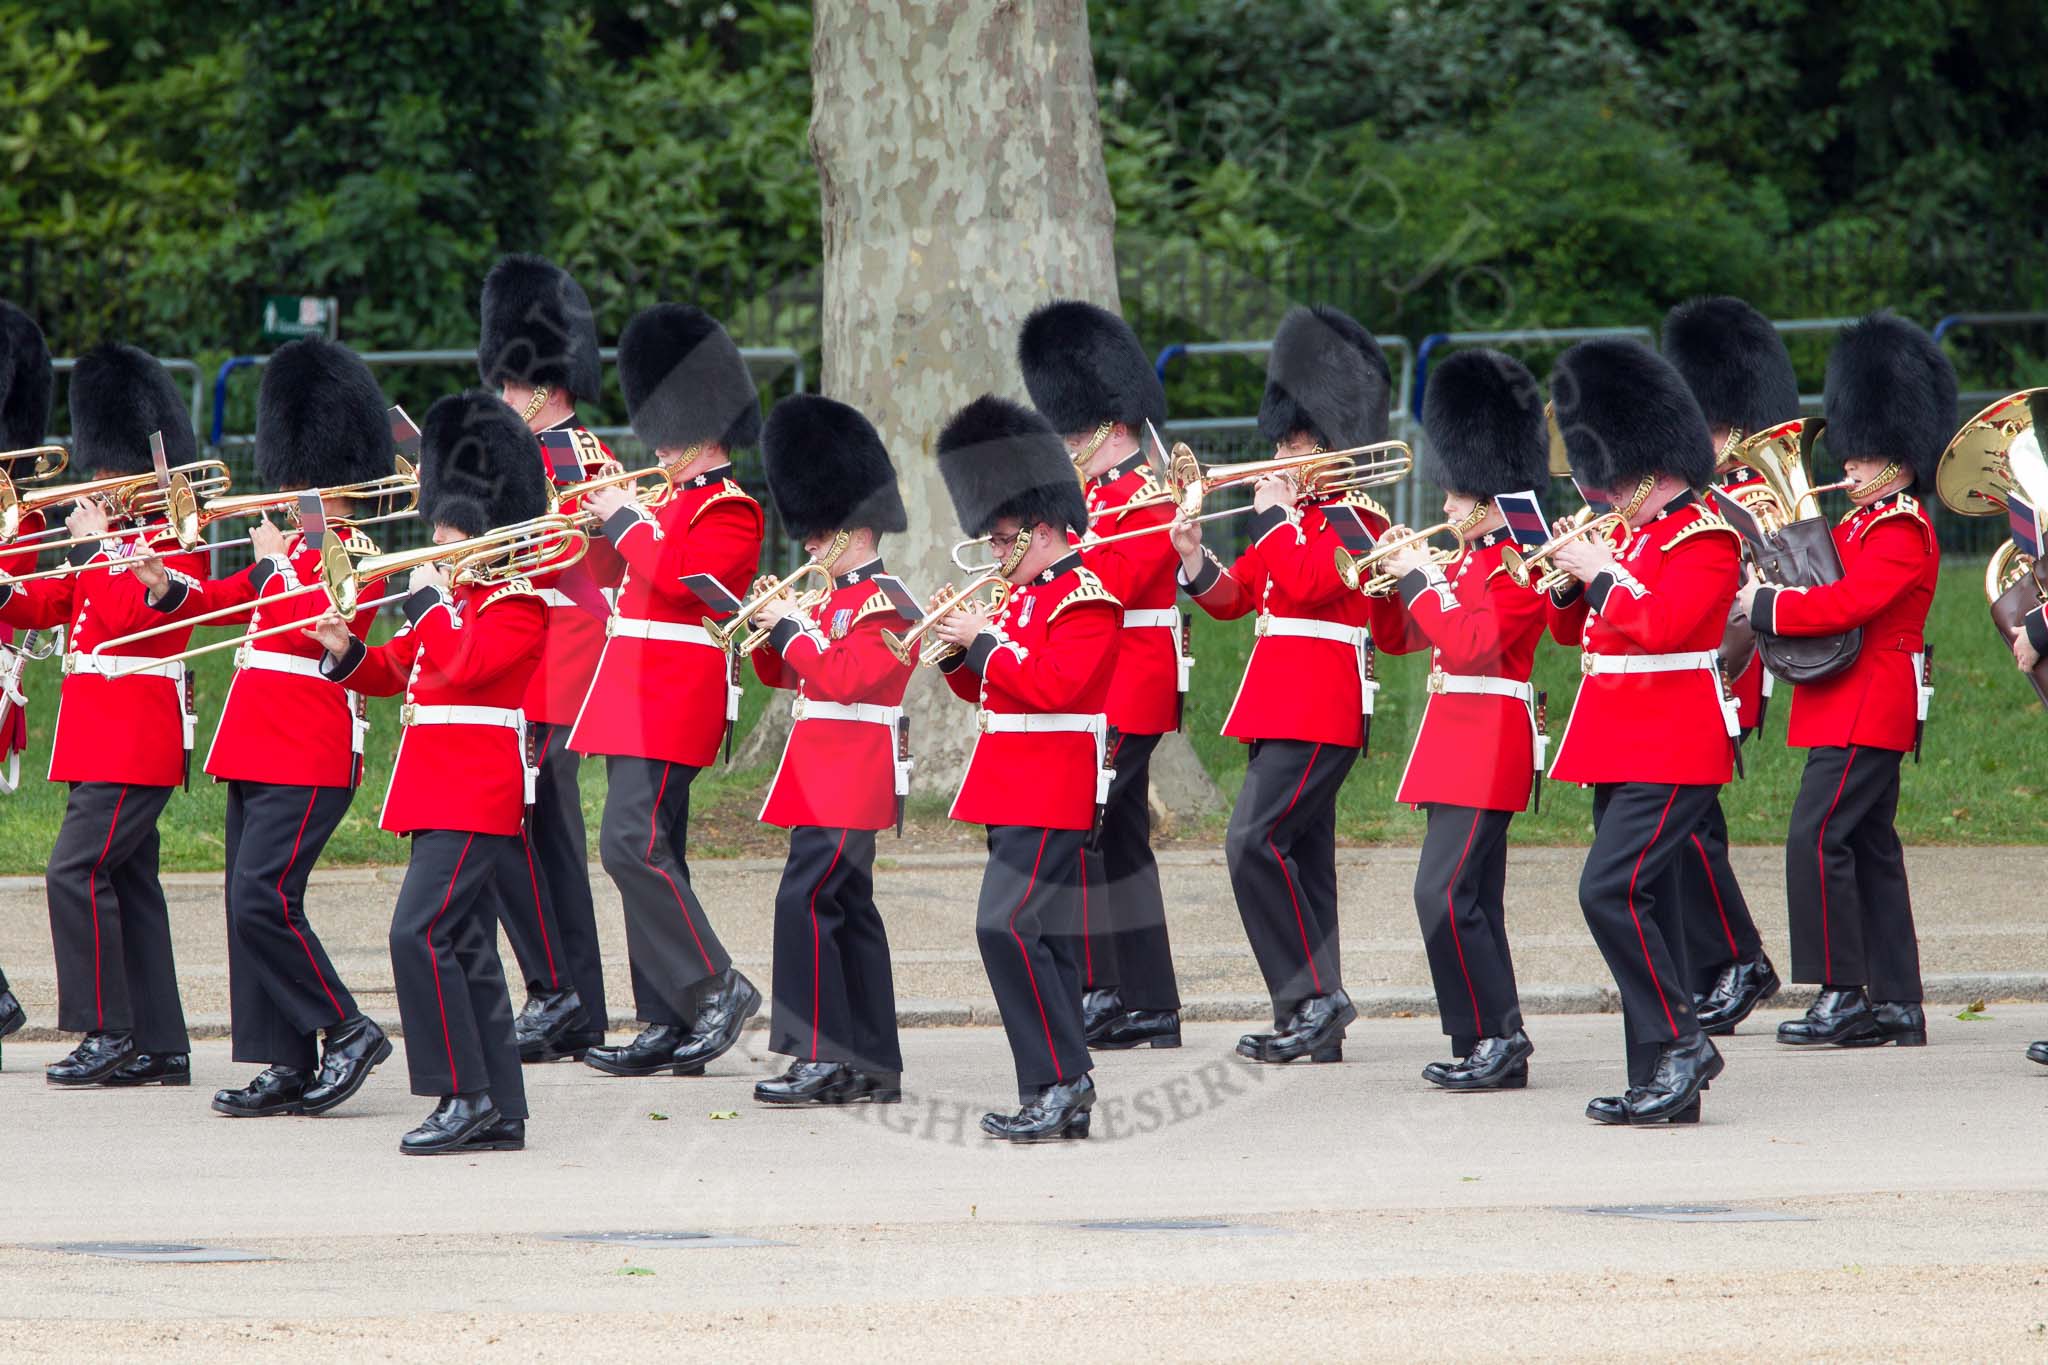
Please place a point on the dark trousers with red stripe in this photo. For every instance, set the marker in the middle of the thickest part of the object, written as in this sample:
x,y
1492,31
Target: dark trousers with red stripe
x,y
1123,914
282,986
1629,891
1719,929
108,921
1029,927
834,993
1845,876
1460,898
1282,850
549,915
452,997
642,842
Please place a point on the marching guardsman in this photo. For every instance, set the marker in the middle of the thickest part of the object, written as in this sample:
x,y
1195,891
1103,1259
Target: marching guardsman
x,y
1651,730
27,385
1038,669
460,783
1090,378
1307,689
843,771
121,743
1736,365
539,351
1890,409
289,744
1476,753
664,695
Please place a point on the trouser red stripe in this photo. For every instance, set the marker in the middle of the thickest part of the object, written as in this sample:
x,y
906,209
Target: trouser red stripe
x,y
817,949
1451,909
1820,861
1713,885
1641,938
434,963
1025,953
284,904
540,920
653,833
1293,897
99,1008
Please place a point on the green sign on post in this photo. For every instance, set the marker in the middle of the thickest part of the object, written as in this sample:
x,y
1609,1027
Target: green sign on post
x,y
286,317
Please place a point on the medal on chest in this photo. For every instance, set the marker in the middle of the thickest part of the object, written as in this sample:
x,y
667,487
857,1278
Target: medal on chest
x,y
1024,611
842,621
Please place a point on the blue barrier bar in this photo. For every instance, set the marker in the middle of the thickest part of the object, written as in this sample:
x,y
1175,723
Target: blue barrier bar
x,y
220,391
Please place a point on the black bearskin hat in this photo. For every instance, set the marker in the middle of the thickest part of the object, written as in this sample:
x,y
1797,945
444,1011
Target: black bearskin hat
x,y
1326,376
537,329
321,420
685,381
1891,395
1625,413
828,470
1483,415
479,465
26,381
1734,362
119,395
1000,459
1083,366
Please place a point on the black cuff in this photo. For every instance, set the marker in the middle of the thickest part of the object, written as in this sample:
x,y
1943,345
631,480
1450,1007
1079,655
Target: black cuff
x,y
337,669
421,602
953,662
978,651
1568,595
6,593
1263,522
1597,590
175,593
82,554
785,634
1763,611
1413,584
261,572
2037,630
618,523
1205,577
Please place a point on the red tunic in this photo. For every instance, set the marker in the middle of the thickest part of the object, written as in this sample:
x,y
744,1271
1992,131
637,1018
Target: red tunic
x,y
579,601
134,729
291,729
1295,687
838,771
1050,652
1890,564
1670,598
476,649
13,707
1144,696
664,698
1473,748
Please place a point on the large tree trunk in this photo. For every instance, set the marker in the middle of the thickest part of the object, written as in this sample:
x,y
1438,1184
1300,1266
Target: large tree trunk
x,y
959,151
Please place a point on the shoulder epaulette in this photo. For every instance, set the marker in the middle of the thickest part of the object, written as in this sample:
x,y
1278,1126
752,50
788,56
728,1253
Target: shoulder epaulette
x,y
1905,506
519,586
727,491
358,540
1706,523
1365,502
878,603
1087,588
590,452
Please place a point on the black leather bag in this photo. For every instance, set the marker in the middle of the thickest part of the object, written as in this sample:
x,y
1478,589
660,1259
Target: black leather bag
x,y
2009,613
1803,555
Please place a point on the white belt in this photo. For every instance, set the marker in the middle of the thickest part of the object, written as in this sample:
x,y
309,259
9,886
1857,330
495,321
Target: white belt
x,y
1164,618
134,666
1926,689
555,597
1057,722
639,628
809,708
12,661
1707,661
274,661
497,717
1308,628
1469,684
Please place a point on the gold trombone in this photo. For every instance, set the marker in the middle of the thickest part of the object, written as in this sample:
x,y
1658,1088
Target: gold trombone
x,y
1318,473
402,482
1362,573
904,645
129,497
1586,524
498,555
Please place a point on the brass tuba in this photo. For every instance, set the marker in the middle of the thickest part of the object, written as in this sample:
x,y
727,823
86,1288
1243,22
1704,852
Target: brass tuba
x,y
1994,460
1796,548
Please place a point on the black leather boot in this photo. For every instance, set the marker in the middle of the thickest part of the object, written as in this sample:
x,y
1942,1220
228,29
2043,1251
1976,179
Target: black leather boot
x,y
276,1090
1098,1010
456,1120
1683,1070
653,1051
1493,1064
355,1048
551,1027
724,1013
2038,1052
154,1068
1740,988
502,1134
1134,1028
1608,1109
1897,1022
92,1061
12,1015
811,1083
1317,1031
1838,1014
1060,1111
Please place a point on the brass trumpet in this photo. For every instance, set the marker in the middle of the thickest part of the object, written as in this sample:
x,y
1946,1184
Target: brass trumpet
x,y
1586,524
649,498
498,555
1319,473
904,645
1361,573
749,639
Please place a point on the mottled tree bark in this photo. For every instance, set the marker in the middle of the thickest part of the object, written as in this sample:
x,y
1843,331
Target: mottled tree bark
x,y
959,152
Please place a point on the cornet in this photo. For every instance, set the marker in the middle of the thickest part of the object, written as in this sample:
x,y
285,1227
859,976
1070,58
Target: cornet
x,y
749,639
649,498
1586,524
1361,573
905,645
